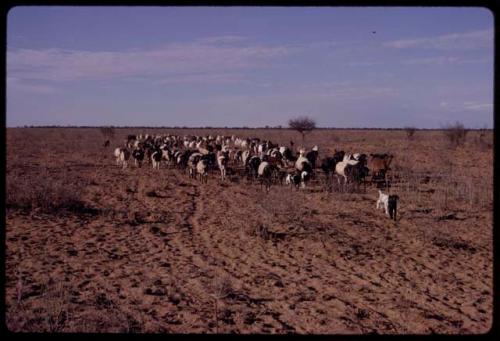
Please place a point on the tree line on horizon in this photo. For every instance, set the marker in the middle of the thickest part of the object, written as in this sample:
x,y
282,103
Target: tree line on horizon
x,y
225,127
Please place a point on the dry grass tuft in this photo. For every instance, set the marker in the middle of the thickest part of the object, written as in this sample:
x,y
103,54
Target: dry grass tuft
x,y
44,194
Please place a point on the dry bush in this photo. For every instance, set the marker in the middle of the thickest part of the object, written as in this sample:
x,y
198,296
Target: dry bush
x,y
410,132
455,133
43,193
54,312
49,314
446,189
107,321
481,140
56,307
108,132
222,288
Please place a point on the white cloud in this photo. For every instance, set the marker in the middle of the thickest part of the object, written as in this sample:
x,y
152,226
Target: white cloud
x,y
226,39
27,87
455,41
466,106
364,63
346,90
443,60
202,78
60,65
476,106
315,94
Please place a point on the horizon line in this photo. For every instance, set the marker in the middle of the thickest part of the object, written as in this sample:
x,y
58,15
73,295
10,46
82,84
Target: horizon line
x,y
243,127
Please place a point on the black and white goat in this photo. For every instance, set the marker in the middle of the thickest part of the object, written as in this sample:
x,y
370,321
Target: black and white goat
x,y
253,166
296,179
266,173
304,168
192,163
138,155
389,202
312,156
156,157
122,156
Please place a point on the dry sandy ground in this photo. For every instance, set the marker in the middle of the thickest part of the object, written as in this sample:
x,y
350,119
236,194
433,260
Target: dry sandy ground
x,y
155,251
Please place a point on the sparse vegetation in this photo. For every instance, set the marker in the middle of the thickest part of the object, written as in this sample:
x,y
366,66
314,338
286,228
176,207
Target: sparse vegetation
x,y
222,288
107,132
166,254
482,139
45,194
456,133
410,132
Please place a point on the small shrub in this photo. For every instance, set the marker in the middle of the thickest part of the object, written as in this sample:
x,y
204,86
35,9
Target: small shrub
x,y
222,288
410,132
45,194
107,132
481,140
362,314
456,133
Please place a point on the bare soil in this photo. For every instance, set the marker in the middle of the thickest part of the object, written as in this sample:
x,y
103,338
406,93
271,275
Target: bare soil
x,y
102,249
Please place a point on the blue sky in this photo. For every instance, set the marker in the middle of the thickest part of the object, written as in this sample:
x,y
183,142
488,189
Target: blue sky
x,y
249,66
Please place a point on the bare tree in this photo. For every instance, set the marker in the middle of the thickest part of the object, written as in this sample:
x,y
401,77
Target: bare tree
x,y
302,125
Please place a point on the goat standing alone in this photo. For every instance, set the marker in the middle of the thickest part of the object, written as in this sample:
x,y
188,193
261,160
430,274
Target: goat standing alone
x,y
389,202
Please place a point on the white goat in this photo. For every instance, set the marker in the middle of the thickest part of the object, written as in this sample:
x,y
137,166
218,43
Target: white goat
x,y
117,155
222,160
201,169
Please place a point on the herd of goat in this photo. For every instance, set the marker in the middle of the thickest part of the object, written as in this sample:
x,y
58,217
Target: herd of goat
x,y
258,159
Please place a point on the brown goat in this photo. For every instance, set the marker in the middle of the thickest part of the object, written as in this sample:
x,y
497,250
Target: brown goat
x,y
275,161
379,164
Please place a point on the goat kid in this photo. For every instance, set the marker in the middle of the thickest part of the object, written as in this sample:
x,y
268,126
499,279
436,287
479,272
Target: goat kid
x,y
389,202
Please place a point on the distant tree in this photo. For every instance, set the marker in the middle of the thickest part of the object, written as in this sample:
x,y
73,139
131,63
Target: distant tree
x,y
456,133
302,124
480,138
410,131
108,132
